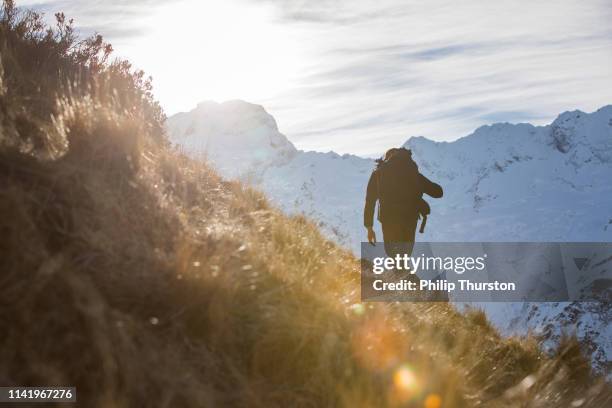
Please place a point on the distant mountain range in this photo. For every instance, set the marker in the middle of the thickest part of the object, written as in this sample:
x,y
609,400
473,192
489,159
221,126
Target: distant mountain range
x,y
504,182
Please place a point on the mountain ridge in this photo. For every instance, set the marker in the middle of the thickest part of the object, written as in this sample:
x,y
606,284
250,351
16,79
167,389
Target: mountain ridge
x,y
532,143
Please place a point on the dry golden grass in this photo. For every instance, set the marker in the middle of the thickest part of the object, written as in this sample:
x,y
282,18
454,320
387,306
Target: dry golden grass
x,y
145,280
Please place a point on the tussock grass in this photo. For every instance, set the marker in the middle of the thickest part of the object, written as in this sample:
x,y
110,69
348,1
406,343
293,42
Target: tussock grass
x,y
144,279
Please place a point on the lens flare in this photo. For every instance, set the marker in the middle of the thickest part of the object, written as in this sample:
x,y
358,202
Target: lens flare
x,y
406,385
404,379
433,401
358,309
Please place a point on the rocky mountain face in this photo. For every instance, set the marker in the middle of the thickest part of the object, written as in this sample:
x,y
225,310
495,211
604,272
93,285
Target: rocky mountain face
x,y
503,182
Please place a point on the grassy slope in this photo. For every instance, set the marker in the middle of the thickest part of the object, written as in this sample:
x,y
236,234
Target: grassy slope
x,y
144,279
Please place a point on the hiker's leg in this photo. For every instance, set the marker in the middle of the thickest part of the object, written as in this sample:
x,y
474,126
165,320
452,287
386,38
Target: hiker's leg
x,y
398,236
408,231
392,237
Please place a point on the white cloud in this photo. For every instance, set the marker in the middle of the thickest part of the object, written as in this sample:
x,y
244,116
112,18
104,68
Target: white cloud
x,y
360,76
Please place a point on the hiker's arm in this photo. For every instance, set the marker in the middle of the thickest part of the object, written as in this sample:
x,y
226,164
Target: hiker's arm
x,y
430,188
370,201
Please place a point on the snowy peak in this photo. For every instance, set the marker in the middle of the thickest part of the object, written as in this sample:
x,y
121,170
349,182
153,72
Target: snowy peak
x,y
235,116
585,137
574,138
239,138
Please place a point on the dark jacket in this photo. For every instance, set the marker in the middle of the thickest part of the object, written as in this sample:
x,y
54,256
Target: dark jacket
x,y
387,214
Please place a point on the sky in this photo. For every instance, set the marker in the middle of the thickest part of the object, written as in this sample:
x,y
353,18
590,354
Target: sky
x,y
357,76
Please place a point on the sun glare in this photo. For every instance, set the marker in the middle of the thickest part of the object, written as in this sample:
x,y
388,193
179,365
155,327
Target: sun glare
x,y
406,384
217,49
404,379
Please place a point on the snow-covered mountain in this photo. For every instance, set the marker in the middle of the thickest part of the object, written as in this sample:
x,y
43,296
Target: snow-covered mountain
x,y
238,137
504,182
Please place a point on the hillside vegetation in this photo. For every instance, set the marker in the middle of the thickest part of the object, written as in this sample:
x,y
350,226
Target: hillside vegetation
x,y
145,280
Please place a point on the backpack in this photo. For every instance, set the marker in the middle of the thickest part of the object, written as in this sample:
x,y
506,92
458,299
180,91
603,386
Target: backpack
x,y
395,176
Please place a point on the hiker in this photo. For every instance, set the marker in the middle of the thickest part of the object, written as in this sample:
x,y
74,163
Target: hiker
x,y
398,186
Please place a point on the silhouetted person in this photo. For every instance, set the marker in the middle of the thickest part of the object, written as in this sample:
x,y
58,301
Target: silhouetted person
x,y
398,187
